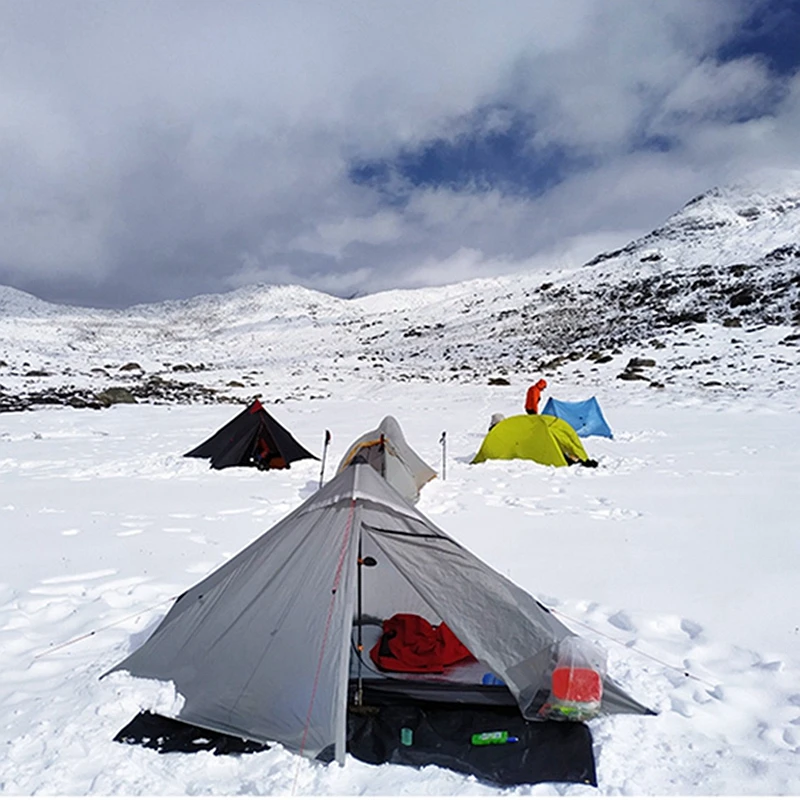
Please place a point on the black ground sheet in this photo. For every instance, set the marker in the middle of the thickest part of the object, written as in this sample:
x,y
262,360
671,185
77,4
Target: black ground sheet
x,y
416,735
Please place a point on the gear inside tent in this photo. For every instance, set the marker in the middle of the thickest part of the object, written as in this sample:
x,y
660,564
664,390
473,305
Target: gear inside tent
x,y
277,645
535,437
387,451
585,416
251,439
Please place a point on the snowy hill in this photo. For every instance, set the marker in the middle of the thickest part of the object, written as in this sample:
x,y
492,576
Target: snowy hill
x,y
729,260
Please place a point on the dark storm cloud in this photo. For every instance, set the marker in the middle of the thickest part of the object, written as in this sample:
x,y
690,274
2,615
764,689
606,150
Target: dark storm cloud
x,y
157,150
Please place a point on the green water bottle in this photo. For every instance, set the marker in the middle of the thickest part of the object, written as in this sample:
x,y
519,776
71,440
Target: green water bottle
x,y
493,737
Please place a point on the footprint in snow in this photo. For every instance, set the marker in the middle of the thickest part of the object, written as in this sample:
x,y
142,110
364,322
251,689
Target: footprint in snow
x,y
622,621
691,629
680,706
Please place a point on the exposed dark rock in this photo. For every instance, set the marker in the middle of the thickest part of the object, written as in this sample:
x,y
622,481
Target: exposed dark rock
x,y
499,382
554,363
130,366
745,297
639,363
113,395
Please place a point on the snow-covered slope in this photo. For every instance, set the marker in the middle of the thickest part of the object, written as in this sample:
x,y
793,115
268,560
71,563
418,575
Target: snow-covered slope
x,y
700,290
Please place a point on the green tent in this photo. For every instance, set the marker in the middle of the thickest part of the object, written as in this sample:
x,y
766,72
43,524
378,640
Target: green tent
x,y
536,437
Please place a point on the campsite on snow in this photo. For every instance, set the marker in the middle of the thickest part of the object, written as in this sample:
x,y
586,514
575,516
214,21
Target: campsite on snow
x,y
278,542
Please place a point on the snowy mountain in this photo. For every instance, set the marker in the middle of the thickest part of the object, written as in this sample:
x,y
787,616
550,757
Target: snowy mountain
x,y
729,258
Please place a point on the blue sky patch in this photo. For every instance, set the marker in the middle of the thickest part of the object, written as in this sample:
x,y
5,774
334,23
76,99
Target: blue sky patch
x,y
772,33
477,159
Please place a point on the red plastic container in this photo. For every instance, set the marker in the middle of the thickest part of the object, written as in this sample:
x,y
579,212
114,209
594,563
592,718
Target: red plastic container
x,y
577,685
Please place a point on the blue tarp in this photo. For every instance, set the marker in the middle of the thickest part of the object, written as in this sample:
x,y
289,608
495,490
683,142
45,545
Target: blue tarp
x,y
585,416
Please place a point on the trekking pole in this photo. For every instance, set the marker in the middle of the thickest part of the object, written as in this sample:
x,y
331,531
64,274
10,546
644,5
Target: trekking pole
x,y
324,454
443,443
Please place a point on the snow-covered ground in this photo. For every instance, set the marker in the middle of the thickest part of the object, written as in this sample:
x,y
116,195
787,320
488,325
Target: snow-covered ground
x,y
679,554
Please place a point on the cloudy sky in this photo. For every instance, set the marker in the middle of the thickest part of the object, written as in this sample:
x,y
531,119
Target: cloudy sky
x,y
156,149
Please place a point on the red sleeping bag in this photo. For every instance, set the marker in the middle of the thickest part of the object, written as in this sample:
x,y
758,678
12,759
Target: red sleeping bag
x,y
411,644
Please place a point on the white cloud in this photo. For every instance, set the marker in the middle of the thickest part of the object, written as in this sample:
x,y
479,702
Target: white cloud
x,y
148,146
333,238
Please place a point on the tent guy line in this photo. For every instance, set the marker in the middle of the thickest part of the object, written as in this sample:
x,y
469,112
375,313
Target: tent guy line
x,y
632,648
104,628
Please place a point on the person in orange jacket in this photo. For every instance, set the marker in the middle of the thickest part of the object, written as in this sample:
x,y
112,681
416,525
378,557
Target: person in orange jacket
x,y
532,398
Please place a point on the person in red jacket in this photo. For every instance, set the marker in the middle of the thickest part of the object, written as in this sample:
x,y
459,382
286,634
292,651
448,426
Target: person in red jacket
x,y
532,398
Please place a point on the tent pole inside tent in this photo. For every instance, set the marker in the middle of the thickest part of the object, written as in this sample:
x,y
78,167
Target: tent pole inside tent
x,y
360,646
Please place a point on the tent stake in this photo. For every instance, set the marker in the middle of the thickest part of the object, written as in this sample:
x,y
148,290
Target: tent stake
x,y
324,454
443,443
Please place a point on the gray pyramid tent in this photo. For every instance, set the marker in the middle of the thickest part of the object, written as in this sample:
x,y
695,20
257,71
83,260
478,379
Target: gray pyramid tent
x,y
386,450
263,648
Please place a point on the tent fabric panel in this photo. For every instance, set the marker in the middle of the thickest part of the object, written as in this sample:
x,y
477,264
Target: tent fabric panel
x,y
244,647
236,452
401,466
386,591
225,447
376,495
585,416
383,459
500,624
568,441
397,474
287,445
523,436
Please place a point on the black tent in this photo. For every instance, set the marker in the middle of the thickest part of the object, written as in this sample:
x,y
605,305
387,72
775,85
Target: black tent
x,y
251,439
